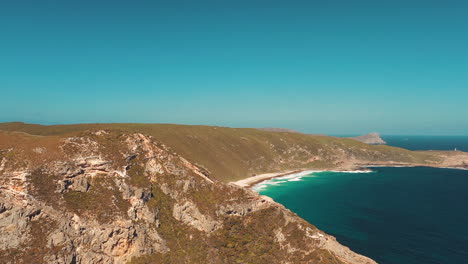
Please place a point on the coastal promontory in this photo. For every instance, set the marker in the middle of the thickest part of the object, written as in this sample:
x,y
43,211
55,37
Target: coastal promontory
x,y
150,193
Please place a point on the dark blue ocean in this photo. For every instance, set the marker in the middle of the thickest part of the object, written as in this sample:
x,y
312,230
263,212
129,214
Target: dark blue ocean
x,y
393,215
428,142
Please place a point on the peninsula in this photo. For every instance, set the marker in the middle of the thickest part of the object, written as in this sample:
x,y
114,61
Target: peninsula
x,y
160,193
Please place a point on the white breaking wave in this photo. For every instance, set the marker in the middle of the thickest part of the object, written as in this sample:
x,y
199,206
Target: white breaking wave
x,y
294,180
354,171
282,179
296,177
454,168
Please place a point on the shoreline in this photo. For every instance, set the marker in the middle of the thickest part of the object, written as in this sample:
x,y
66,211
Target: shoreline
x,y
249,182
252,180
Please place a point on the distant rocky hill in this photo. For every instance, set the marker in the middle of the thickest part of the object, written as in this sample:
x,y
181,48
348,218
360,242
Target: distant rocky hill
x,y
371,138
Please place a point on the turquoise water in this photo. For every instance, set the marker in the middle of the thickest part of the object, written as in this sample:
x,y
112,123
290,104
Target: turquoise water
x,y
393,215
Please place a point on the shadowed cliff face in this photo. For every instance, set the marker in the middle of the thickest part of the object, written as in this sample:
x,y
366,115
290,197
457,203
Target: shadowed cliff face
x,y
107,196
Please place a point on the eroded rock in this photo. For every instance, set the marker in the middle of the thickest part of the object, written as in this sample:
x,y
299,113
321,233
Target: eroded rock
x,y
110,197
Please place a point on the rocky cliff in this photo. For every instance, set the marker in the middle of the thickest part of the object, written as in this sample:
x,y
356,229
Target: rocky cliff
x,y
110,196
371,138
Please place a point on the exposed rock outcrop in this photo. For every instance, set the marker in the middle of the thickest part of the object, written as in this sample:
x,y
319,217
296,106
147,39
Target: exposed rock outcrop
x,y
113,197
371,138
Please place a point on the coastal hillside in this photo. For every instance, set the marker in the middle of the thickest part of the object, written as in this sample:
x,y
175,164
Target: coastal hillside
x,y
110,196
231,154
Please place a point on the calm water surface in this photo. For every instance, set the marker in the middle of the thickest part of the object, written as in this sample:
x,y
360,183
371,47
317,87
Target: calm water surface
x,y
428,142
393,215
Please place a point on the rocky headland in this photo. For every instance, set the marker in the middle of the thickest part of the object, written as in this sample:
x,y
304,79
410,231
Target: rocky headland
x,y
111,197
136,193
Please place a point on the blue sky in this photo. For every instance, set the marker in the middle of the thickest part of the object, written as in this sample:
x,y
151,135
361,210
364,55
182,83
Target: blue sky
x,y
337,67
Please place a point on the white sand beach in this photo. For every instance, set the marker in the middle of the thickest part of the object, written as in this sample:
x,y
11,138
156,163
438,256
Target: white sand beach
x,y
251,181
248,182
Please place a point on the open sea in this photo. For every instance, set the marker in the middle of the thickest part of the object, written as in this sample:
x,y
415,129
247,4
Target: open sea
x,y
414,215
428,142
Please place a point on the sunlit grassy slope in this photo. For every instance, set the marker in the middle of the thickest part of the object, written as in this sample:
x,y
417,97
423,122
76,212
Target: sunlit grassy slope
x,y
235,153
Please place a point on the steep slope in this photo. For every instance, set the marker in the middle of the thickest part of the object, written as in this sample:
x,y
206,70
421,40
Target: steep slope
x,y
108,196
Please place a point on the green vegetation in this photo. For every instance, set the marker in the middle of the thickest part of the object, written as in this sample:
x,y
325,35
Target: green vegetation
x,y
186,244
103,200
137,176
43,187
248,241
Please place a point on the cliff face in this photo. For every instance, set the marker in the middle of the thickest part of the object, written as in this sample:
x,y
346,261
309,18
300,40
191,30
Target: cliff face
x,y
371,138
107,196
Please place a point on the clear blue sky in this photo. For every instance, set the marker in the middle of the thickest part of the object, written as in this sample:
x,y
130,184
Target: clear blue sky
x,y
338,67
